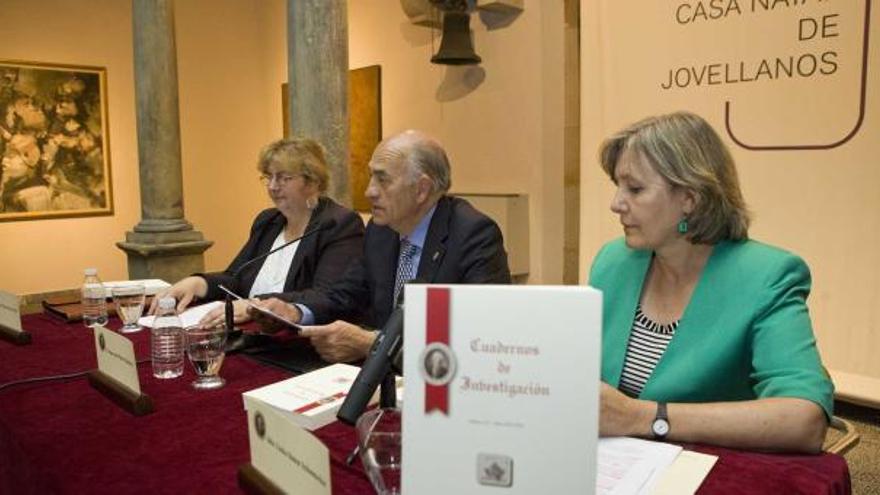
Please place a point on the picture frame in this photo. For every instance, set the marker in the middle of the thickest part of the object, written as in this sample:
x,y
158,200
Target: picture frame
x,y
54,141
365,127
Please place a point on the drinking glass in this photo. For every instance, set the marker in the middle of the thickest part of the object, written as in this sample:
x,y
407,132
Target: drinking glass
x,y
206,350
379,443
129,300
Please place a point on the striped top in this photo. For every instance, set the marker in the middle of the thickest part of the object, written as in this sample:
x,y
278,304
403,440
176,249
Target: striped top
x,y
647,343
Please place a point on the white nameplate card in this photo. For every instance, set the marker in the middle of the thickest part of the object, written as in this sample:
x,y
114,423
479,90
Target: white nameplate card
x,y
116,358
310,400
292,458
10,311
507,379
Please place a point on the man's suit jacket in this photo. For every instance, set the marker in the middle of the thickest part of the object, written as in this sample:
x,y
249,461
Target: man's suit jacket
x,y
745,333
320,259
463,246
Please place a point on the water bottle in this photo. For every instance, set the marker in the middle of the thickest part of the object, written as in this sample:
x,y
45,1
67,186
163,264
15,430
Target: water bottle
x,y
166,341
94,300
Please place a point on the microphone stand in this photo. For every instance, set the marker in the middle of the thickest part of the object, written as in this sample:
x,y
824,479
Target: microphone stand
x,y
381,359
388,391
229,310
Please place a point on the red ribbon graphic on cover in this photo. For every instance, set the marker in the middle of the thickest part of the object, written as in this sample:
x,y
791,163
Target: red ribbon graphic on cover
x,y
437,330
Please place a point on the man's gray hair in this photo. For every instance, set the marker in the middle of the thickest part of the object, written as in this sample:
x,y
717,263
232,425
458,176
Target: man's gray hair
x,y
423,154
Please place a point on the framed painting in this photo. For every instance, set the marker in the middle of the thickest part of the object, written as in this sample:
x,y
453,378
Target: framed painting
x,y
54,143
365,127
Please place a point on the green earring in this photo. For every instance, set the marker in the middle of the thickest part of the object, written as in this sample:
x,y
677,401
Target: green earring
x,y
683,225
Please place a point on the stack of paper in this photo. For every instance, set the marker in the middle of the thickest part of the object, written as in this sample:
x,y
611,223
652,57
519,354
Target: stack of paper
x,y
310,400
190,318
152,286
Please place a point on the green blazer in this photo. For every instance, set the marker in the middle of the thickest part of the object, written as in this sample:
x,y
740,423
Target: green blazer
x,y
745,333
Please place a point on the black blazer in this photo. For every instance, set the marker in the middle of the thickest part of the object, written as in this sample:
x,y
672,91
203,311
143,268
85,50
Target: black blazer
x,y
463,246
320,259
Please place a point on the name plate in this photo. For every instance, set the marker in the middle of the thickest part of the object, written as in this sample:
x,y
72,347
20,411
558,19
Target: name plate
x,y
116,358
290,457
10,320
10,311
507,378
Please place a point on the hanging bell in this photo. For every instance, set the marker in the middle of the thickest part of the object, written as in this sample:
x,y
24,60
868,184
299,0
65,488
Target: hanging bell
x,y
456,45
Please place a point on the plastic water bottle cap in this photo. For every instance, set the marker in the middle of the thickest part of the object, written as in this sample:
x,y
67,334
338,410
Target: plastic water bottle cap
x,y
167,303
90,272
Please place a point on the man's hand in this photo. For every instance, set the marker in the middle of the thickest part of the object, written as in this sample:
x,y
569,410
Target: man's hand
x,y
277,306
340,341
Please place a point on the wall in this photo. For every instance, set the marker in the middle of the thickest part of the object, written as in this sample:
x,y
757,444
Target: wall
x,y
39,255
230,105
501,122
821,203
231,63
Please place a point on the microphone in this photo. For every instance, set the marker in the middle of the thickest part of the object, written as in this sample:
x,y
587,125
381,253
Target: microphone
x,y
230,319
387,351
374,370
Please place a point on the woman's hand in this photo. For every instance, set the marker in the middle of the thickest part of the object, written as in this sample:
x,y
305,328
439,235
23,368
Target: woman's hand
x,y
183,291
780,424
620,415
217,316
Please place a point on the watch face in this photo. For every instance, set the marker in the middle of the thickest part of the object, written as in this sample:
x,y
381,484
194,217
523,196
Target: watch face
x,y
660,427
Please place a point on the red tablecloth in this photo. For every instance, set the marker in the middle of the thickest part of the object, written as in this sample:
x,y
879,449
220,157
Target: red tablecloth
x,y
64,437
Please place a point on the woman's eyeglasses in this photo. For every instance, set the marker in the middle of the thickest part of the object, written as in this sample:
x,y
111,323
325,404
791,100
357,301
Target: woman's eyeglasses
x,y
280,179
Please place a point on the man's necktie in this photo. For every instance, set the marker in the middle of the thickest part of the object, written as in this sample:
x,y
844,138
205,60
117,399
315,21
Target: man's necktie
x,y
405,269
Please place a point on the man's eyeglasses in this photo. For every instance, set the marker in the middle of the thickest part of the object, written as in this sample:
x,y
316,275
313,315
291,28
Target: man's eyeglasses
x,y
280,179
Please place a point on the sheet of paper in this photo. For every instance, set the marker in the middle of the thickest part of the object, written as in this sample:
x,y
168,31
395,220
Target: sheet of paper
x,y
686,474
10,311
292,458
631,465
116,358
190,317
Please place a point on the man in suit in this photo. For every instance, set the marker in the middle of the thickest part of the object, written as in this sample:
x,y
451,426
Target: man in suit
x,y
416,232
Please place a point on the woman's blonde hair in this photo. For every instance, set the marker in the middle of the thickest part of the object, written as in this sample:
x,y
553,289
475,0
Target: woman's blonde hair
x,y
301,156
687,152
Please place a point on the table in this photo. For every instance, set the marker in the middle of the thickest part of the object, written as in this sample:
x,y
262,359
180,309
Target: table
x,y
64,437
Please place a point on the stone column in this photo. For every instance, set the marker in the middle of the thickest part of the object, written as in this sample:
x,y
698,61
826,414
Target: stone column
x,y
317,72
163,244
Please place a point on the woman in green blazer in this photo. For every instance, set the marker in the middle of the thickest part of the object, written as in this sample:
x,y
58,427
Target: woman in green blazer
x,y
706,334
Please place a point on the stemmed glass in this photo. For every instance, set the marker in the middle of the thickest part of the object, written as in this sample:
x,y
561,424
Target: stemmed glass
x,y
379,445
206,350
129,300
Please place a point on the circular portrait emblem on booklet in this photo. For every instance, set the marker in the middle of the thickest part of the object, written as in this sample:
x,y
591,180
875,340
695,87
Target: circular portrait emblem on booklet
x,y
260,425
437,364
101,342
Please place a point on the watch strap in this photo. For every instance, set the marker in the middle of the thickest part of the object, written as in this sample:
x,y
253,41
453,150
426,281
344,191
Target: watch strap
x,y
660,425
